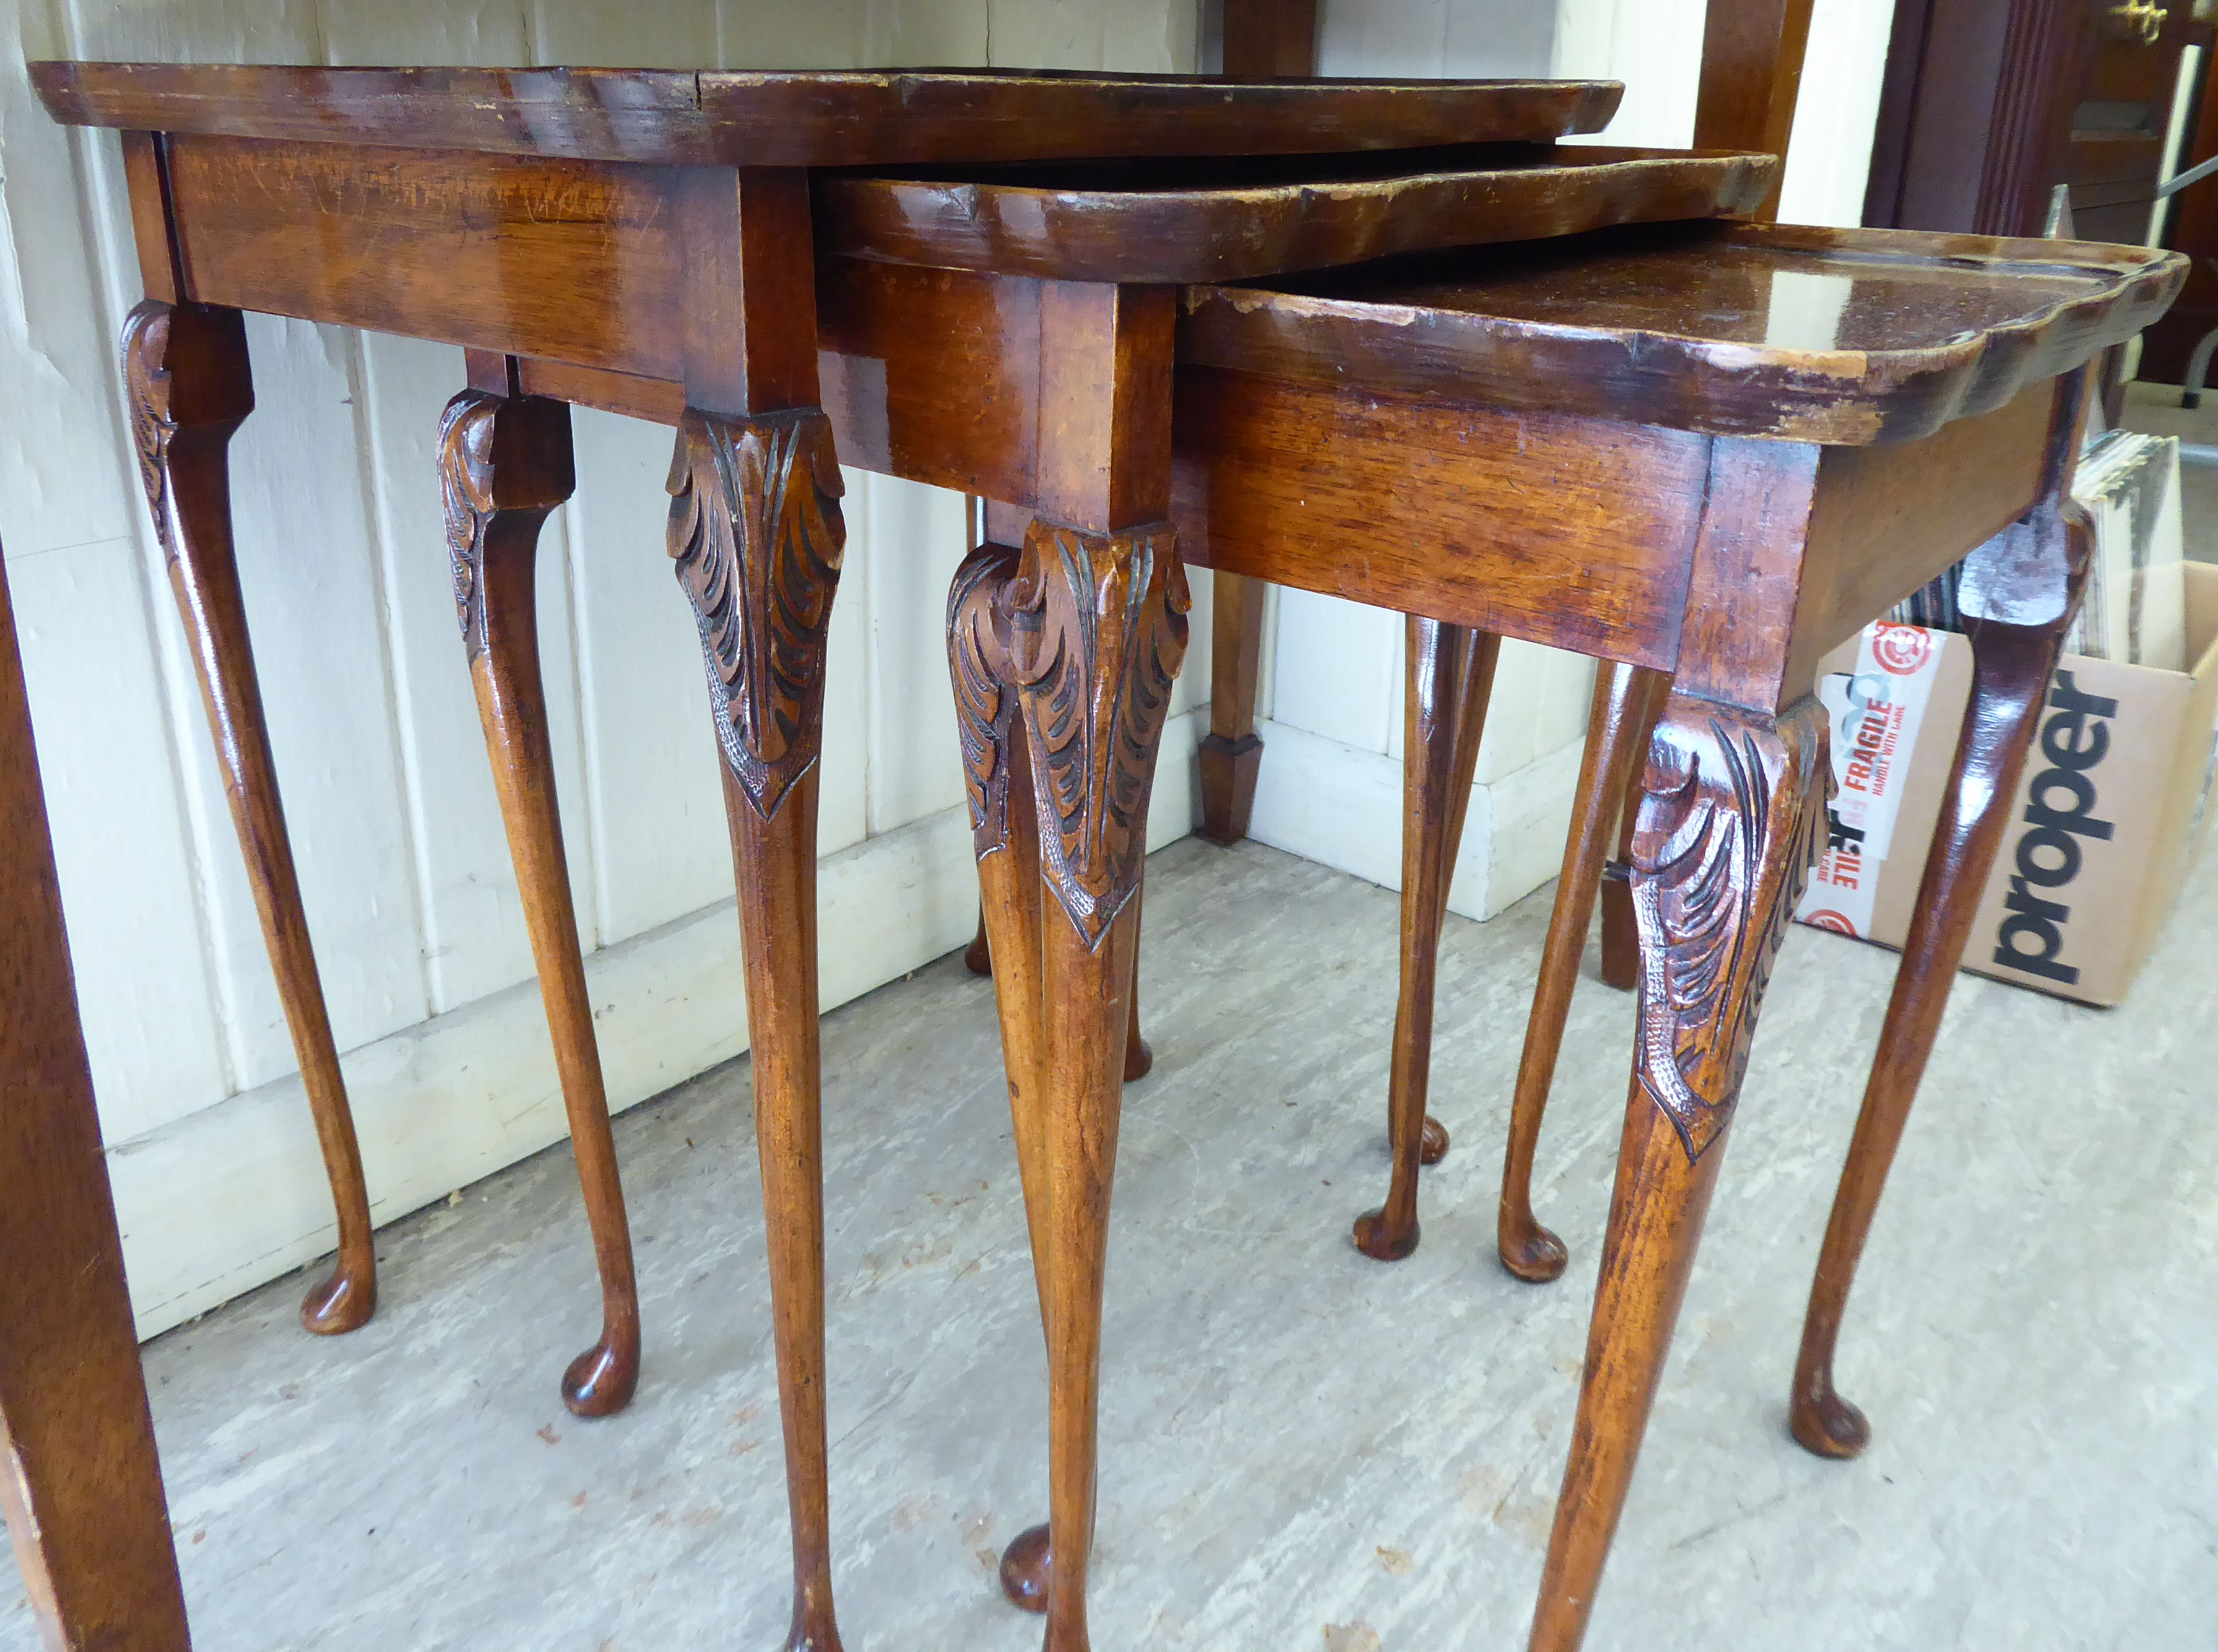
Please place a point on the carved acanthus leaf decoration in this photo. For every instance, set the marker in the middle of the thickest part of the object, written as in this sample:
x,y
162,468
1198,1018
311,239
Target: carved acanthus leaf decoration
x,y
1096,628
1727,834
985,705
757,535
146,386
466,433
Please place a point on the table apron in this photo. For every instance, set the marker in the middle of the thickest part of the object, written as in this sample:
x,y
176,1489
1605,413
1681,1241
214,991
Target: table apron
x,y
1574,532
579,260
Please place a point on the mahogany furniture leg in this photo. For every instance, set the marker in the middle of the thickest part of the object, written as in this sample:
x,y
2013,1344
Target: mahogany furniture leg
x,y
998,781
2020,591
82,1491
1450,675
1079,640
1527,1249
1084,632
1473,689
1271,39
187,378
1139,1054
1730,801
1232,752
1620,937
504,461
757,537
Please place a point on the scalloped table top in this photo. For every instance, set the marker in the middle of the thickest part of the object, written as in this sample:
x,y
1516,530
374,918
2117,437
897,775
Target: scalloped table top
x,y
1228,218
1835,336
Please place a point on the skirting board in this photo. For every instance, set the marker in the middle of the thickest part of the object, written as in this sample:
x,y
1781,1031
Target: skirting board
x,y
1334,804
232,1195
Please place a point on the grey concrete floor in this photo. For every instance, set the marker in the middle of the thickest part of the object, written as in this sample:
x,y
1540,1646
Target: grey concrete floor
x,y
1303,1449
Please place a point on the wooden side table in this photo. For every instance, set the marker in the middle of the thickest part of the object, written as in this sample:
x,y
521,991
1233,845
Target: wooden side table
x,y
1713,450
667,246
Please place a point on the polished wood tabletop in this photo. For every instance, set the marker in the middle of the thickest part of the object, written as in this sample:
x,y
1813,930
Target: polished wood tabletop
x,y
1214,221
812,118
1728,329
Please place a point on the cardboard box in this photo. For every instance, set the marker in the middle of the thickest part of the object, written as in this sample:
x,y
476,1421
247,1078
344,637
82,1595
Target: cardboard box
x,y
2110,811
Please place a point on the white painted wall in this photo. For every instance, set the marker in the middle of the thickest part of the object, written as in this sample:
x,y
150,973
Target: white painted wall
x,y
404,871
1330,784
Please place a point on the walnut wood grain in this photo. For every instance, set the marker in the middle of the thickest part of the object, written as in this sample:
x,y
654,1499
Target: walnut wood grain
x,y
1620,937
505,462
1752,54
1450,674
1564,530
83,1491
1198,220
1691,326
1085,633
2021,590
1733,795
1230,754
820,118
486,251
1269,37
1730,801
1077,639
1621,694
188,386
1260,37
1139,1054
757,540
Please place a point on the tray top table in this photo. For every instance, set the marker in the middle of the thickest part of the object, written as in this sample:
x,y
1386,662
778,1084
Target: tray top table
x,y
1715,450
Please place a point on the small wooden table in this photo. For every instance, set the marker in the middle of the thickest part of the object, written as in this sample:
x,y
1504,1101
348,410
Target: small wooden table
x,y
674,246
1711,450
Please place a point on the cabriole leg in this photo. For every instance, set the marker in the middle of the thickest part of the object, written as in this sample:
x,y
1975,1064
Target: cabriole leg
x,y
2021,590
1730,802
1451,674
1079,638
504,463
185,368
757,534
1527,1249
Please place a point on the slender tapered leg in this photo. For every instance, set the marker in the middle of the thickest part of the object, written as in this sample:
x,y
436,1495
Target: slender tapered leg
x,y
1527,1249
757,534
1473,689
1730,799
1231,752
1079,638
997,775
505,462
1451,672
1139,1054
1621,937
82,1488
186,372
2021,590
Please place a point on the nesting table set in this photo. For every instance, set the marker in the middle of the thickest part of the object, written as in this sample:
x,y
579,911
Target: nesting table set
x,y
1645,431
